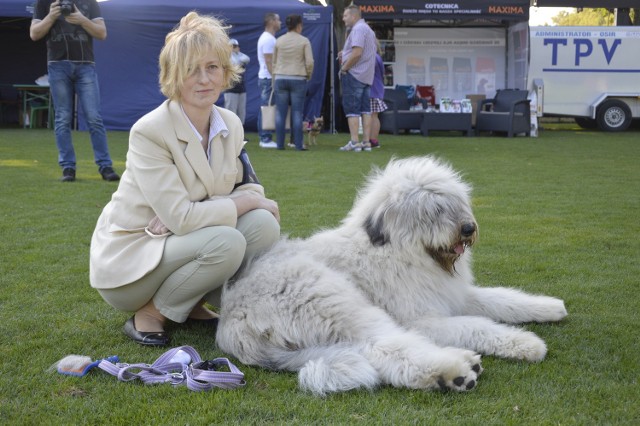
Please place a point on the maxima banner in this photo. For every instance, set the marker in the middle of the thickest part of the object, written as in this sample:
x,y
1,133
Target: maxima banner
x,y
516,10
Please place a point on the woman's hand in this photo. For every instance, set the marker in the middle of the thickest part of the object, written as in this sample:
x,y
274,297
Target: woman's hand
x,y
249,201
156,227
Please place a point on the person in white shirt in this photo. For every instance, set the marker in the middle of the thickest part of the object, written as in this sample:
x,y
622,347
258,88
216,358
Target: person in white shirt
x,y
266,46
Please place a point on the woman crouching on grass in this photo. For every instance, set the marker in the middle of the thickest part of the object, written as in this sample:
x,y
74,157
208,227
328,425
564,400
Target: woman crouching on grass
x,y
189,209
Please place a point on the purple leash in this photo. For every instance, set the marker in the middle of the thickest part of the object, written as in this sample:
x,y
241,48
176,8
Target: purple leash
x,y
172,367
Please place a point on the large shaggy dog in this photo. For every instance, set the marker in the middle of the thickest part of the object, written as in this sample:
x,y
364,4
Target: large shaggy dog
x,y
388,297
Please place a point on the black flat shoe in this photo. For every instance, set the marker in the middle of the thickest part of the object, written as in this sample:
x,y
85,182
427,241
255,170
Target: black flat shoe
x,y
147,338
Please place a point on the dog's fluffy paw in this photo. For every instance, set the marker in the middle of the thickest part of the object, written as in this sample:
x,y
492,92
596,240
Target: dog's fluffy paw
x,y
526,346
459,384
463,373
556,310
543,309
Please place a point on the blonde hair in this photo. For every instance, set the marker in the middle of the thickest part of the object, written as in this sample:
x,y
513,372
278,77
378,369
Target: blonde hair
x,y
185,46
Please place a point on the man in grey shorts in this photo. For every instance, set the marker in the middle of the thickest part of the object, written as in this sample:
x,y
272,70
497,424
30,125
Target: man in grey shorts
x,y
356,73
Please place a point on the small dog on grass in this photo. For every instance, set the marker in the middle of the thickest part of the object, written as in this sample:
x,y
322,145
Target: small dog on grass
x,y
313,129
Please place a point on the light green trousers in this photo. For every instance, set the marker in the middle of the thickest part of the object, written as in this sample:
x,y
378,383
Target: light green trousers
x,y
195,266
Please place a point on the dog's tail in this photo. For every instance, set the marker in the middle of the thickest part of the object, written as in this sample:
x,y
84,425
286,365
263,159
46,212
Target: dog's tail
x,y
328,369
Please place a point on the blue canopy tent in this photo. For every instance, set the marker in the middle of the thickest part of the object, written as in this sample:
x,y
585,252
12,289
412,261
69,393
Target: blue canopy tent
x,y
23,61
16,8
127,61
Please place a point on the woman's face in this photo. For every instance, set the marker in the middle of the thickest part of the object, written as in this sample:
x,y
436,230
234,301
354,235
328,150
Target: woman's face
x,y
204,84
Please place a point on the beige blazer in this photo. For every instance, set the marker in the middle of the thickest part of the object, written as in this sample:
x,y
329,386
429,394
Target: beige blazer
x,y
167,174
292,56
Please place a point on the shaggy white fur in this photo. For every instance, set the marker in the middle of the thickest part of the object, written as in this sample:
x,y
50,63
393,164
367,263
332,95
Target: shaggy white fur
x,y
388,297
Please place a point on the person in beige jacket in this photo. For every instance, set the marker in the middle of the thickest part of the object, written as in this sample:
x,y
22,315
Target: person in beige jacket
x,y
292,68
189,209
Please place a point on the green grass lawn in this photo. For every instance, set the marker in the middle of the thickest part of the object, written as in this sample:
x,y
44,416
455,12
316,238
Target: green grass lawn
x,y
558,215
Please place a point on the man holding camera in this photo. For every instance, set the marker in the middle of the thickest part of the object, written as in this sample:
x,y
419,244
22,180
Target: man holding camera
x,y
69,27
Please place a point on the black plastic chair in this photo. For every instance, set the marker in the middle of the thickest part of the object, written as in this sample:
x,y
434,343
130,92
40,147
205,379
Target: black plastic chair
x,y
399,116
507,112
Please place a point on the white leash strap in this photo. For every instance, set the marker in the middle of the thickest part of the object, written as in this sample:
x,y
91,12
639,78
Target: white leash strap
x,y
198,375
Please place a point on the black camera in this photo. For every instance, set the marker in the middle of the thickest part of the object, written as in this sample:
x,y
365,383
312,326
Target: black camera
x,y
66,7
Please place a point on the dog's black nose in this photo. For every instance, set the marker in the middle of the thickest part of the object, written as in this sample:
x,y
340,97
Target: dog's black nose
x,y
468,229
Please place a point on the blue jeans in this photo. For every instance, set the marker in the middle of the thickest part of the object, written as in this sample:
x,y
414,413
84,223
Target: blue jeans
x,y
264,84
355,96
67,79
290,91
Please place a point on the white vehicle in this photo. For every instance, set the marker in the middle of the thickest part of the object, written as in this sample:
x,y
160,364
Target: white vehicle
x,y
589,73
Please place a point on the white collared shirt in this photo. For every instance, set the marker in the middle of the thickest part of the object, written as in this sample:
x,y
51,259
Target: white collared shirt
x,y
216,126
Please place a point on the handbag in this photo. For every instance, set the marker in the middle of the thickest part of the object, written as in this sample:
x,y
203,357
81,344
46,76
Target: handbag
x,y
269,116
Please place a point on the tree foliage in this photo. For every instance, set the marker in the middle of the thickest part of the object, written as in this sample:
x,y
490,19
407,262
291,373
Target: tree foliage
x,y
586,17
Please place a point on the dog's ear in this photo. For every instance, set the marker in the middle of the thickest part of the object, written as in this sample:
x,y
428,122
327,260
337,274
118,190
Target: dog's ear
x,y
375,230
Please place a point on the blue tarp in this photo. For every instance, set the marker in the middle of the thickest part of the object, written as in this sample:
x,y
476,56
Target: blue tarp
x,y
127,61
22,61
16,8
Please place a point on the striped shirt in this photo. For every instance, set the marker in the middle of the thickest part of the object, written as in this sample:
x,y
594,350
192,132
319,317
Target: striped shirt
x,y
361,36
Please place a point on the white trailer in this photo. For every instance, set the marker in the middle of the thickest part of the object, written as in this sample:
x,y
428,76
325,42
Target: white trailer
x,y
589,73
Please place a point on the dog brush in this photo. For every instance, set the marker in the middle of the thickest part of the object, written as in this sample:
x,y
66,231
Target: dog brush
x,y
79,365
